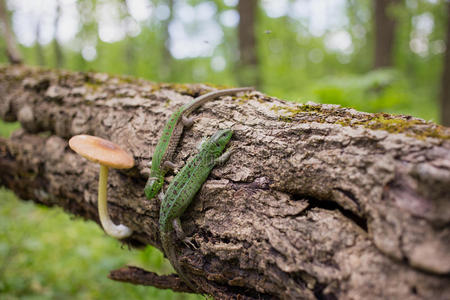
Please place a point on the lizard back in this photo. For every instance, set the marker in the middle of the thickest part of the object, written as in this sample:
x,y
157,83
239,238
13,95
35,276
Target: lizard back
x,y
161,148
185,185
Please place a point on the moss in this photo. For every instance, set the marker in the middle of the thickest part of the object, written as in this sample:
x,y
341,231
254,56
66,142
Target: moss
x,y
300,109
218,86
304,108
16,73
293,112
276,108
310,108
90,79
414,128
244,98
393,124
184,89
127,79
92,86
285,119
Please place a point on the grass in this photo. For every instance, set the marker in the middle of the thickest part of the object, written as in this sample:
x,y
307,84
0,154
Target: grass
x,y
48,254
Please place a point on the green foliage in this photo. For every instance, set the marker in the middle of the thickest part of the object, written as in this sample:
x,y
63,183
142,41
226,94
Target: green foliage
x,y
368,92
377,91
7,128
48,255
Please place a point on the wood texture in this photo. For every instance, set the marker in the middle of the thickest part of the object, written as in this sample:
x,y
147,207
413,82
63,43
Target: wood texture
x,y
317,202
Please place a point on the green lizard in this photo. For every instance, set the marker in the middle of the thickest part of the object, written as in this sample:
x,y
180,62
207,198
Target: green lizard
x,y
161,160
182,190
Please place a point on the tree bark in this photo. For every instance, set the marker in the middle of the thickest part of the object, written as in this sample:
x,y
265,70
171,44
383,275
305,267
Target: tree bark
x,y
385,26
445,90
317,201
12,51
248,64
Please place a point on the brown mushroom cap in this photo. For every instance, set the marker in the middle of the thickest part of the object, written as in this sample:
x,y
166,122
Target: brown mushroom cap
x,y
101,151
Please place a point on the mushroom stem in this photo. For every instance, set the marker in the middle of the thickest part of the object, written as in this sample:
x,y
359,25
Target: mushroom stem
x,y
116,231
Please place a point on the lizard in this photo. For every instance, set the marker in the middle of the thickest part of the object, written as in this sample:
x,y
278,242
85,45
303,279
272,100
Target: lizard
x,y
182,190
161,161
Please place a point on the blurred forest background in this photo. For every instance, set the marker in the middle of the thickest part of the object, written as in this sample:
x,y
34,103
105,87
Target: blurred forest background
x,y
373,55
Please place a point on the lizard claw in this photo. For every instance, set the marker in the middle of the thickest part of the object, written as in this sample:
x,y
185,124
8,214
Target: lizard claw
x,y
188,242
232,149
161,196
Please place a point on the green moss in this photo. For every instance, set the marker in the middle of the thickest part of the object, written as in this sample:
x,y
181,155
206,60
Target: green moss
x,y
92,85
218,86
304,108
289,113
244,98
192,90
127,79
310,108
392,124
285,119
181,88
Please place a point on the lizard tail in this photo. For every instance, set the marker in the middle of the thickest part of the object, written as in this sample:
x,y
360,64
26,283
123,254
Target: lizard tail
x,y
169,250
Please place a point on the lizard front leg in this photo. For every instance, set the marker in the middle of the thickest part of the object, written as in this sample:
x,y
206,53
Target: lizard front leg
x,y
169,165
187,121
180,233
224,157
161,196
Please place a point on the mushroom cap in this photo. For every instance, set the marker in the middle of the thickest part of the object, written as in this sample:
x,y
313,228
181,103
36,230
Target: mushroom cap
x,y
101,151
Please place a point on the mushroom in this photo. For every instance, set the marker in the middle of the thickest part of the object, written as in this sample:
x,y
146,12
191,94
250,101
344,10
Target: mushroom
x,y
107,154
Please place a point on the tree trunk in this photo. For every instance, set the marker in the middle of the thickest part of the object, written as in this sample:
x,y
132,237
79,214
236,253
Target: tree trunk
x,y
248,71
130,52
166,66
445,92
385,26
316,202
59,56
39,52
12,51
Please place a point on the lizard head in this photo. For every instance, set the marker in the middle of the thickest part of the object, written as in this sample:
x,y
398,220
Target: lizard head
x,y
219,140
153,186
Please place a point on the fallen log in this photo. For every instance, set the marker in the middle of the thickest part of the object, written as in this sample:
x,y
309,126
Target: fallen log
x,y
317,202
